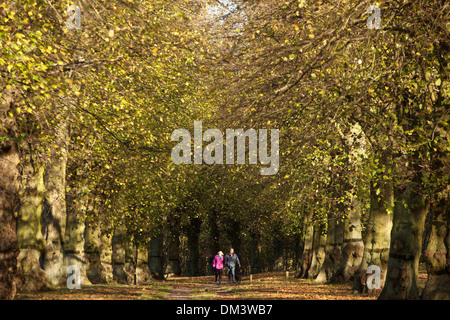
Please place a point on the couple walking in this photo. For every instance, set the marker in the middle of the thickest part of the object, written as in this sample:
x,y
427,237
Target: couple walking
x,y
230,261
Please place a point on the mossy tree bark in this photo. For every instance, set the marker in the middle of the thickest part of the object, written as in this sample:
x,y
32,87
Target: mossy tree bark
x,y
173,254
318,250
130,266
333,249
156,258
410,210
106,249
173,244
377,236
74,243
9,197
29,234
118,256
308,234
437,252
354,141
95,270
353,245
298,253
136,263
143,274
54,216
193,235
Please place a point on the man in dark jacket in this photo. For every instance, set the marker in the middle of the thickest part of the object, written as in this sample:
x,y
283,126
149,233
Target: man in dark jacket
x,y
231,260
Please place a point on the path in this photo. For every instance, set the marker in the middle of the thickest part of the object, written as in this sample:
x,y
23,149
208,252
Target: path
x,y
180,293
199,291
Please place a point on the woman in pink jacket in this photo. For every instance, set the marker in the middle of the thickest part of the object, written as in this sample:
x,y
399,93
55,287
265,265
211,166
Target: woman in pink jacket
x,y
218,266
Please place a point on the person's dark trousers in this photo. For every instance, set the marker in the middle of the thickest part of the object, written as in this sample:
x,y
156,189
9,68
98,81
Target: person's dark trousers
x,y
218,275
231,274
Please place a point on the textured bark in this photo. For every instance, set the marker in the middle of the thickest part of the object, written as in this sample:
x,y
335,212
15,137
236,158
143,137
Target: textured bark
x,y
54,216
333,250
136,264
173,255
193,233
352,247
437,253
298,254
278,250
354,141
31,277
74,242
106,255
233,231
214,245
9,197
406,246
255,254
156,259
95,270
308,231
173,244
143,274
377,237
118,257
318,251
130,266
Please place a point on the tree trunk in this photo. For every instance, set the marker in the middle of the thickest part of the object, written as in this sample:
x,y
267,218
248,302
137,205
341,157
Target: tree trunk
x,y
278,254
95,271
234,235
377,236
214,246
437,253
308,231
173,244
9,196
106,255
352,247
410,211
156,259
143,273
54,218
31,277
74,242
318,251
255,254
333,247
173,255
130,266
193,234
118,256
299,243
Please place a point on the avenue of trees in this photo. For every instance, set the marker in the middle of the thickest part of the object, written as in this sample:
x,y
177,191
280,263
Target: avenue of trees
x,y
86,117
